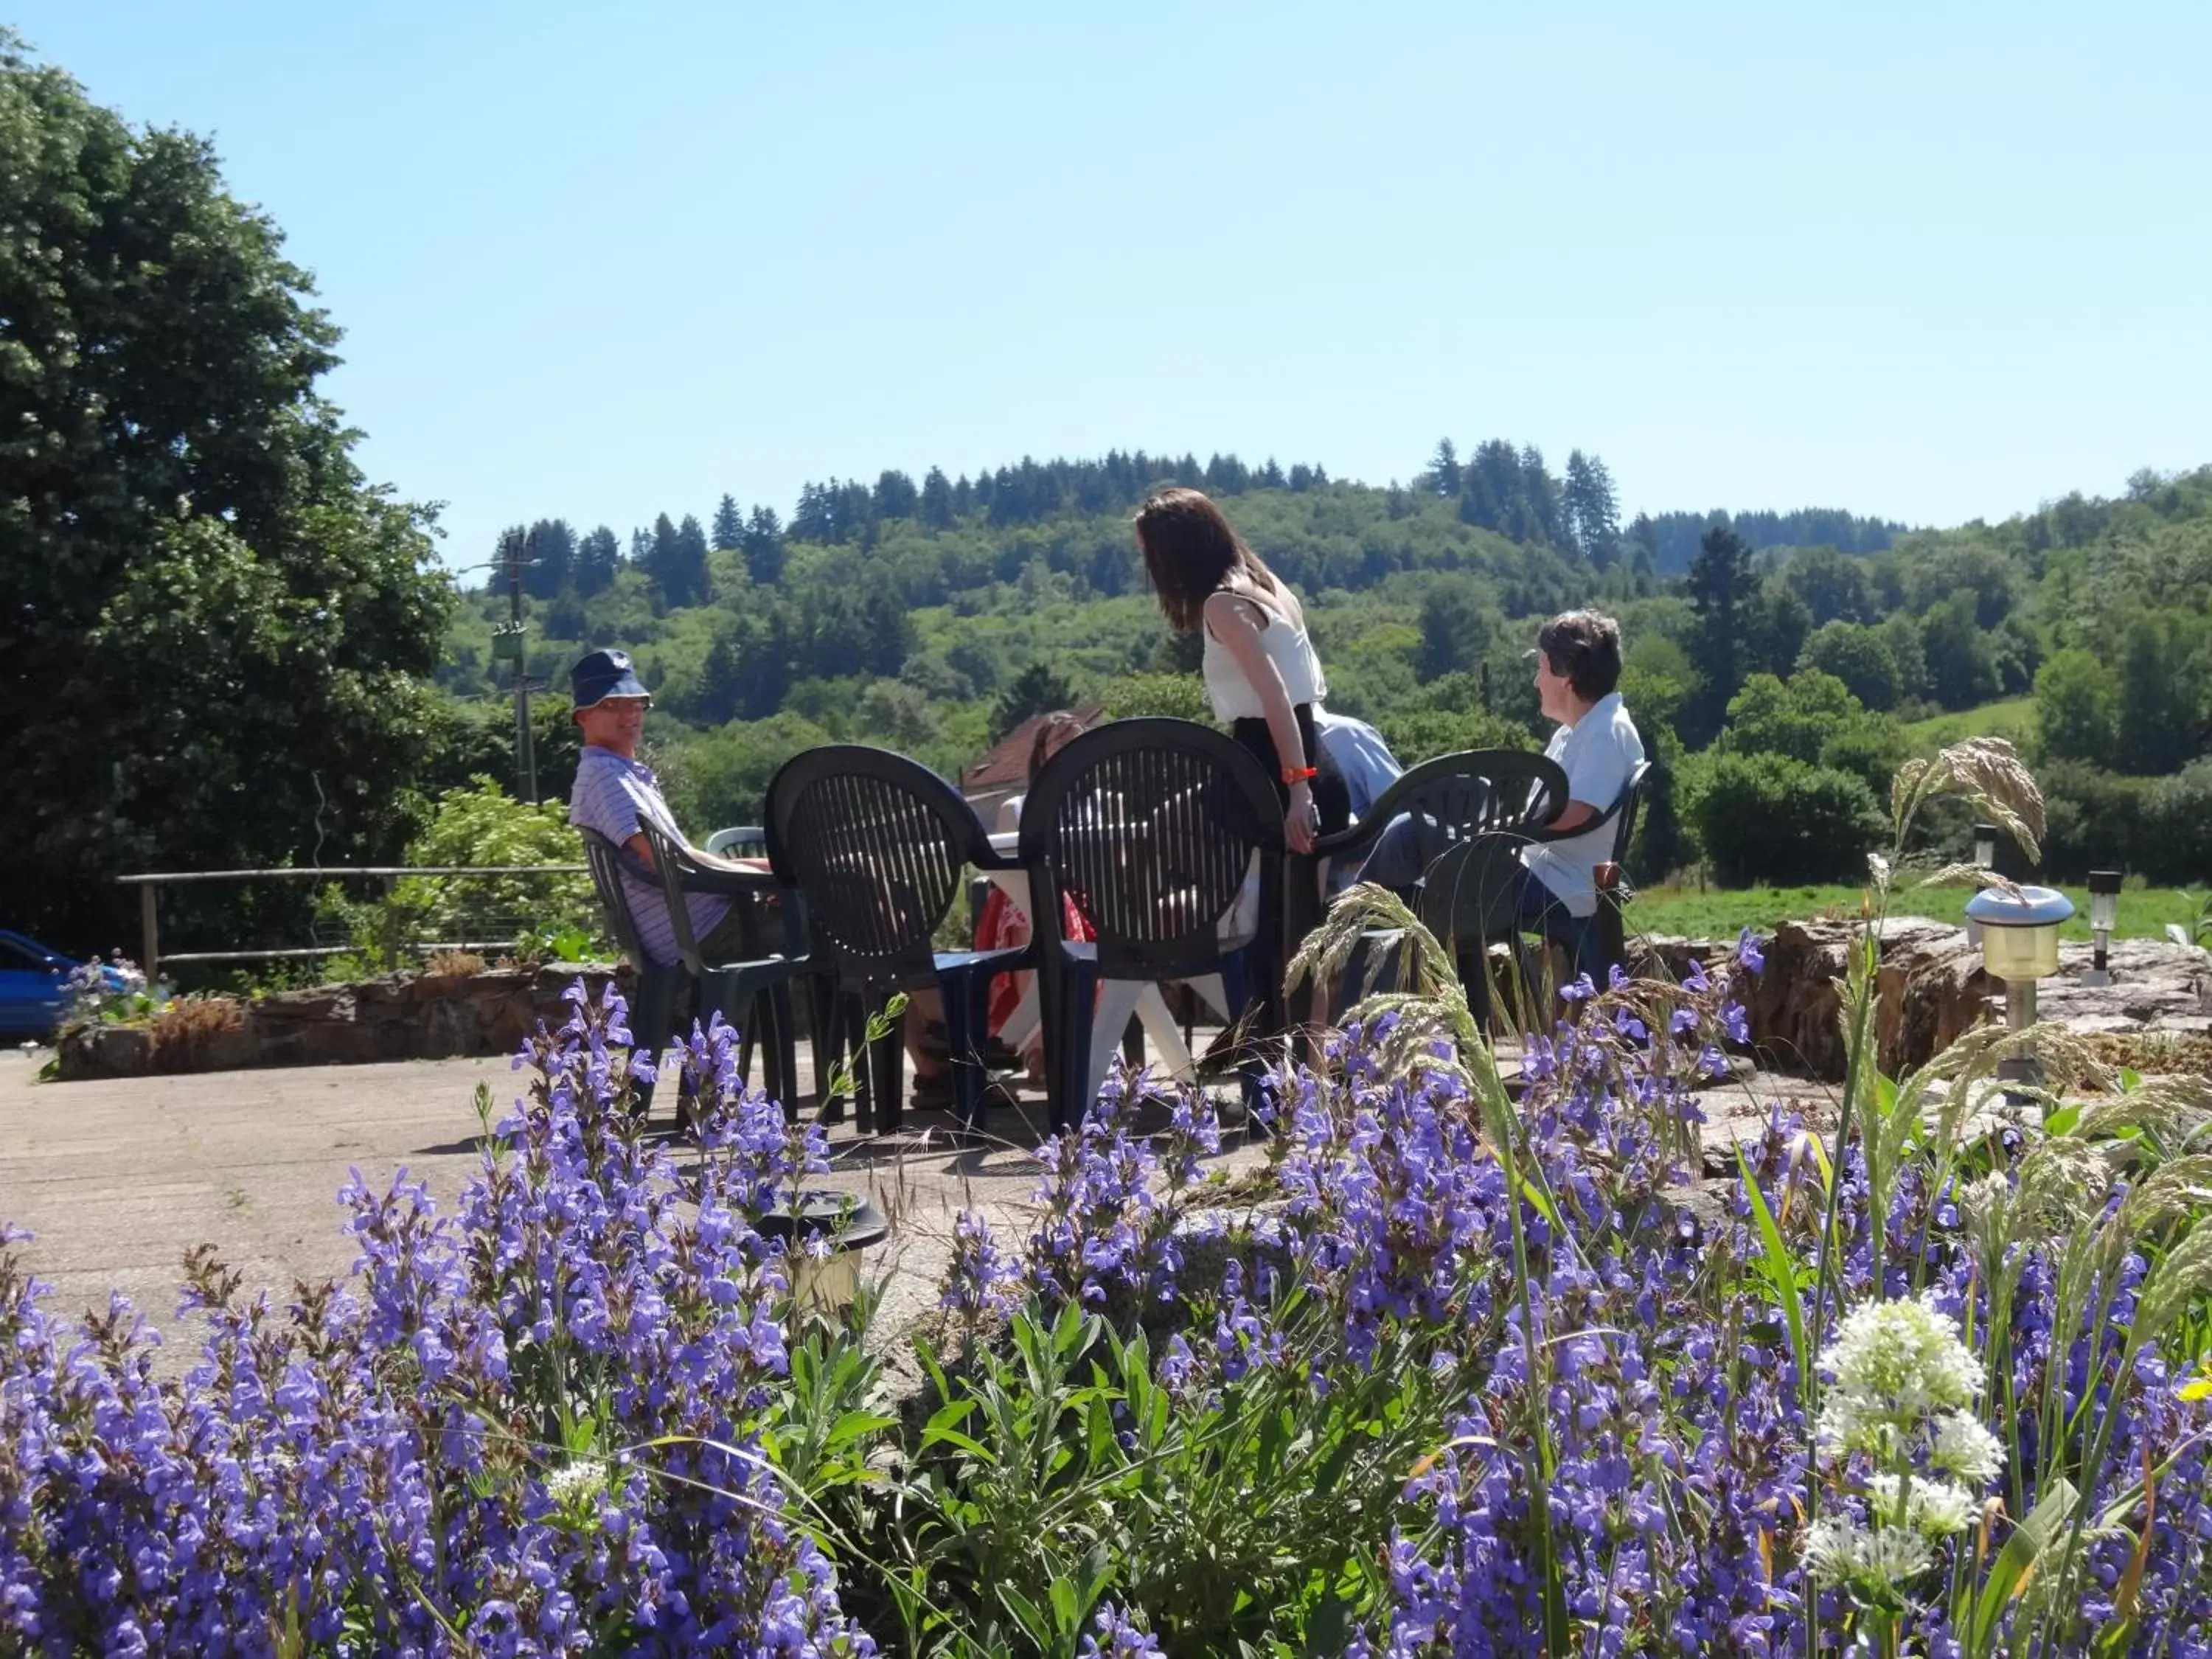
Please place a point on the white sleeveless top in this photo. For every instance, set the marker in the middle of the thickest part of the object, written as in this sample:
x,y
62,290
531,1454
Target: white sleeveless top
x,y
1233,696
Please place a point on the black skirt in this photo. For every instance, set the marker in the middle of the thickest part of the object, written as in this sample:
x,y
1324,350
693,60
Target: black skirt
x,y
1330,791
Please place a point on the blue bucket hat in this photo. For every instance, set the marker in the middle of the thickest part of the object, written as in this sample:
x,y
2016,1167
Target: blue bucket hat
x,y
602,675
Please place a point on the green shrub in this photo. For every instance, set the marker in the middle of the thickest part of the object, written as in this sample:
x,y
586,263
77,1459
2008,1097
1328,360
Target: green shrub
x,y
482,824
1767,819
2176,843
2094,820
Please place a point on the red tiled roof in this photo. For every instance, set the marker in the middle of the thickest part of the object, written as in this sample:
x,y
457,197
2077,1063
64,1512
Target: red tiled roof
x,y
1007,764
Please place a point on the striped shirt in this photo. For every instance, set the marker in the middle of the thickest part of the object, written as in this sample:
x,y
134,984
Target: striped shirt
x,y
616,797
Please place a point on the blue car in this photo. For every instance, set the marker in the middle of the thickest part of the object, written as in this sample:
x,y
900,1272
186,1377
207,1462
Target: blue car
x,y
33,986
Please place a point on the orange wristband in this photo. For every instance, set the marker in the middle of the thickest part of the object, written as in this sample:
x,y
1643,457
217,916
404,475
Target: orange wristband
x,y
1300,774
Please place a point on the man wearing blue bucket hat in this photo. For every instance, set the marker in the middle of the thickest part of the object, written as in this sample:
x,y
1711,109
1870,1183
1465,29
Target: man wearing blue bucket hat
x,y
617,795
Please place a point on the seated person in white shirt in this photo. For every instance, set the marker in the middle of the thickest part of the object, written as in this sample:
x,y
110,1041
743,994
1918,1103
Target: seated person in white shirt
x,y
1577,658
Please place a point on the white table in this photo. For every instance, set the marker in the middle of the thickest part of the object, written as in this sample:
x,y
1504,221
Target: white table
x,y
1117,998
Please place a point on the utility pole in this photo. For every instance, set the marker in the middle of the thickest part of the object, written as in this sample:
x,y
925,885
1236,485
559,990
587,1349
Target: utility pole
x,y
512,547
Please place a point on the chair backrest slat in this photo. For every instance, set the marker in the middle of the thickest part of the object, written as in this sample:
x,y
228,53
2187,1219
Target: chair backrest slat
x,y
606,860
876,843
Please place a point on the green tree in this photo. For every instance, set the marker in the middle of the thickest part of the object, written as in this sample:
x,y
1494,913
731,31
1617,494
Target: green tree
x,y
1459,628
729,525
1859,657
216,634
763,547
1722,587
2077,708
1036,690
1833,584
1591,514
1962,671
1441,477
2162,667
1793,717
599,555
550,550
1775,624
1180,696
691,576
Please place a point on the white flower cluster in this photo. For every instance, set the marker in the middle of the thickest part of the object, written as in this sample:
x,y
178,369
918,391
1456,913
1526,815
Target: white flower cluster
x,y
1899,1366
1904,1392
1845,1550
577,1483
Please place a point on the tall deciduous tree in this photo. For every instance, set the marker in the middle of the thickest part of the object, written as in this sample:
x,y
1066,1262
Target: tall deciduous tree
x,y
213,627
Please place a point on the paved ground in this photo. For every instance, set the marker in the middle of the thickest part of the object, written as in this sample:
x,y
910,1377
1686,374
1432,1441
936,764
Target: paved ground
x,y
117,1179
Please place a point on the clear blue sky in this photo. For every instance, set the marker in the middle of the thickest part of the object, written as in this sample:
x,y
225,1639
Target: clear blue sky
x,y
1930,261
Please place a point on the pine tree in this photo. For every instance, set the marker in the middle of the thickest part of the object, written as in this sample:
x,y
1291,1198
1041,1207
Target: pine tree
x,y
1592,516
598,556
1443,478
729,525
764,548
935,510
691,573
552,549
895,496
1540,491
1722,587
664,563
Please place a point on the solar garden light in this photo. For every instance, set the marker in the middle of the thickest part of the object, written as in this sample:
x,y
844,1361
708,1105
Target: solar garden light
x,y
1985,857
2104,915
2019,946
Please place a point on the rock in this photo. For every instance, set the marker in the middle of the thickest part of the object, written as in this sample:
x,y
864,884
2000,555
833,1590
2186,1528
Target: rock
x,y
1932,990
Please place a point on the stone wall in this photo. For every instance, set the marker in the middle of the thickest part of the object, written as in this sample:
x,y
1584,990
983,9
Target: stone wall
x,y
1932,990
395,1017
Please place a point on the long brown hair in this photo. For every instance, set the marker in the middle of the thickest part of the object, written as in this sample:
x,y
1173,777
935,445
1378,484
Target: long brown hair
x,y
1190,551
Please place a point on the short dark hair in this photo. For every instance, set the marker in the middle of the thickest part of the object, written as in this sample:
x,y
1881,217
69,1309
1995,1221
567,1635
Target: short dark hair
x,y
1584,646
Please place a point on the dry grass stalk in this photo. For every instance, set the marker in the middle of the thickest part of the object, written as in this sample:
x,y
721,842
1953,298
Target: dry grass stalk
x,y
1987,774
452,964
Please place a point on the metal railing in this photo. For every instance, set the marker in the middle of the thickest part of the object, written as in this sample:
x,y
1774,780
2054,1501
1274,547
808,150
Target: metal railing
x,y
149,886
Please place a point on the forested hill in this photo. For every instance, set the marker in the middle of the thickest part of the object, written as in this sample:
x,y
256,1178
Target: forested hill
x,y
932,616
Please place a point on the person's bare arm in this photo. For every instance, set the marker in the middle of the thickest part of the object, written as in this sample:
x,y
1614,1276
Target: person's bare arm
x,y
1579,813
641,849
1235,622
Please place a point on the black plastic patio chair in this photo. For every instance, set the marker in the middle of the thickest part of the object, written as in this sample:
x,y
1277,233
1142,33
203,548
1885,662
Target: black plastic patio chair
x,y
1582,937
828,1026
1445,801
753,994
1473,884
653,996
1152,827
878,845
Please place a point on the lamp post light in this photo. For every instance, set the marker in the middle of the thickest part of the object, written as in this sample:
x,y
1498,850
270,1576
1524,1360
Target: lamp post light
x,y
2103,916
1985,858
2019,946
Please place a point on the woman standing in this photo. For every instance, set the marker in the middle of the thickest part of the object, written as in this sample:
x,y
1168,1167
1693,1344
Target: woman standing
x,y
1261,675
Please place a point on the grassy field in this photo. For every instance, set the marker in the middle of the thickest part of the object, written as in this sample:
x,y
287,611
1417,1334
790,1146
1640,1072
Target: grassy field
x,y
1686,911
2013,719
